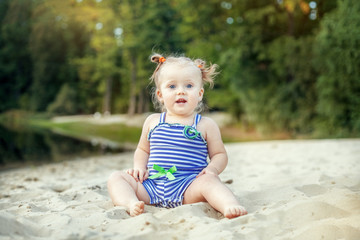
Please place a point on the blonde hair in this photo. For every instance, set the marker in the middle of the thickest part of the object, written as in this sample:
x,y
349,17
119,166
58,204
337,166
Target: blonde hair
x,y
208,73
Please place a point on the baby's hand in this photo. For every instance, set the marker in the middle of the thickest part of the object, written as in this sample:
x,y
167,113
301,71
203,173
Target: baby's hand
x,y
209,170
138,174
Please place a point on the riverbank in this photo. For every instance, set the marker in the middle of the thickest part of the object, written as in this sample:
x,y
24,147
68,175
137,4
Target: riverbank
x,y
123,130
303,189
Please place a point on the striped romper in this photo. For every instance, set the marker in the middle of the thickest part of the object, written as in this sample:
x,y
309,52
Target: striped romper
x,y
174,145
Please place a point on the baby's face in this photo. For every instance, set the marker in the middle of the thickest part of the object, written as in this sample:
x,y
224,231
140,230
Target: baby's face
x,y
180,88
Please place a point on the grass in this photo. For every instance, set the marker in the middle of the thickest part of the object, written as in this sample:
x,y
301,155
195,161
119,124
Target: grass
x,y
119,133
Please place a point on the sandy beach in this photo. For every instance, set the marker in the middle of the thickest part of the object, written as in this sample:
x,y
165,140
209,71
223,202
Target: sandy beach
x,y
301,189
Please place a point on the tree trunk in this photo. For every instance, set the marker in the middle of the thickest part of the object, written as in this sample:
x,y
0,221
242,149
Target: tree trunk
x,y
140,104
290,23
132,100
143,101
146,107
107,97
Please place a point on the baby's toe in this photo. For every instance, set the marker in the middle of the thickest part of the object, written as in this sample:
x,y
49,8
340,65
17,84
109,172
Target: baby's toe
x,y
235,211
137,208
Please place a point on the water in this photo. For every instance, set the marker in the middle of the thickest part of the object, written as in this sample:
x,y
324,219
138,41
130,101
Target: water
x,y
24,147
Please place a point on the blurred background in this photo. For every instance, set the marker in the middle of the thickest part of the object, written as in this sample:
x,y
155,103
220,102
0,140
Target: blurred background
x,y
288,69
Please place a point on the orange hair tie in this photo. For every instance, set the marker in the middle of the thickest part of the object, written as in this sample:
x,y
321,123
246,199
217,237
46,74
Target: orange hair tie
x,y
162,59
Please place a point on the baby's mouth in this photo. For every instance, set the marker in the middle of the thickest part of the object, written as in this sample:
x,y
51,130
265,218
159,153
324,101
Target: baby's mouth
x,y
181,100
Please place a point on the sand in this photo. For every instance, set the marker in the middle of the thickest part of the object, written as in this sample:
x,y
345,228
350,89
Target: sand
x,y
308,189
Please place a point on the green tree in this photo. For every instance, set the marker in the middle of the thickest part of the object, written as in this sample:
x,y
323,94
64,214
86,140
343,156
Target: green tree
x,y
204,32
15,60
65,101
338,62
98,67
266,57
148,26
55,39
277,69
48,50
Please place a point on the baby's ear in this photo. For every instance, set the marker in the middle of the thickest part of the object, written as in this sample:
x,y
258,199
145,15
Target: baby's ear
x,y
159,95
201,94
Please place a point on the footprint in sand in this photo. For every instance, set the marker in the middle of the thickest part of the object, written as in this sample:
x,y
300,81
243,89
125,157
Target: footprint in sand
x,y
306,212
312,190
117,213
13,225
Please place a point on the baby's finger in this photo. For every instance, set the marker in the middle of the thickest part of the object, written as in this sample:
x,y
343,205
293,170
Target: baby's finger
x,y
136,174
141,175
144,175
130,171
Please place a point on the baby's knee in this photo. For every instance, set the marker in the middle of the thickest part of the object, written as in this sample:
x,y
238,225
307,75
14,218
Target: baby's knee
x,y
209,178
115,177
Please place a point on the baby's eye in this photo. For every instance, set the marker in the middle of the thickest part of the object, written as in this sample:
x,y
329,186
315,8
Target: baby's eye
x,y
189,85
172,86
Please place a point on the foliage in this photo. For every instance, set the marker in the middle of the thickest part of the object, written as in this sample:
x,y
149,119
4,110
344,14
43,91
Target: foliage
x,y
267,61
55,38
15,59
119,133
65,102
285,65
338,61
97,68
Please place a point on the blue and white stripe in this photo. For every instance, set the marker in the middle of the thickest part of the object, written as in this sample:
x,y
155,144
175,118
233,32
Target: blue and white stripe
x,y
169,147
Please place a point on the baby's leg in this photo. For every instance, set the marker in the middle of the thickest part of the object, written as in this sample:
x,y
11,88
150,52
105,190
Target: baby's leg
x,y
125,191
209,188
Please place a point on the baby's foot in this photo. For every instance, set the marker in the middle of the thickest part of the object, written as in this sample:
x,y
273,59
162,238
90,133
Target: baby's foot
x,y
136,208
234,211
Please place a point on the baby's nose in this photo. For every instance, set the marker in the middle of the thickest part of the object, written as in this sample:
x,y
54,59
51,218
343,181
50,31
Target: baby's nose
x,y
181,90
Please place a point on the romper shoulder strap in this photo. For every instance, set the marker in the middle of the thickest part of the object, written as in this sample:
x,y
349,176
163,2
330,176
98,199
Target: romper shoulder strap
x,y
162,120
162,117
197,120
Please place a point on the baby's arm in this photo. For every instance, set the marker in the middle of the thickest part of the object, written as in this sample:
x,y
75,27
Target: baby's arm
x,y
141,155
217,153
